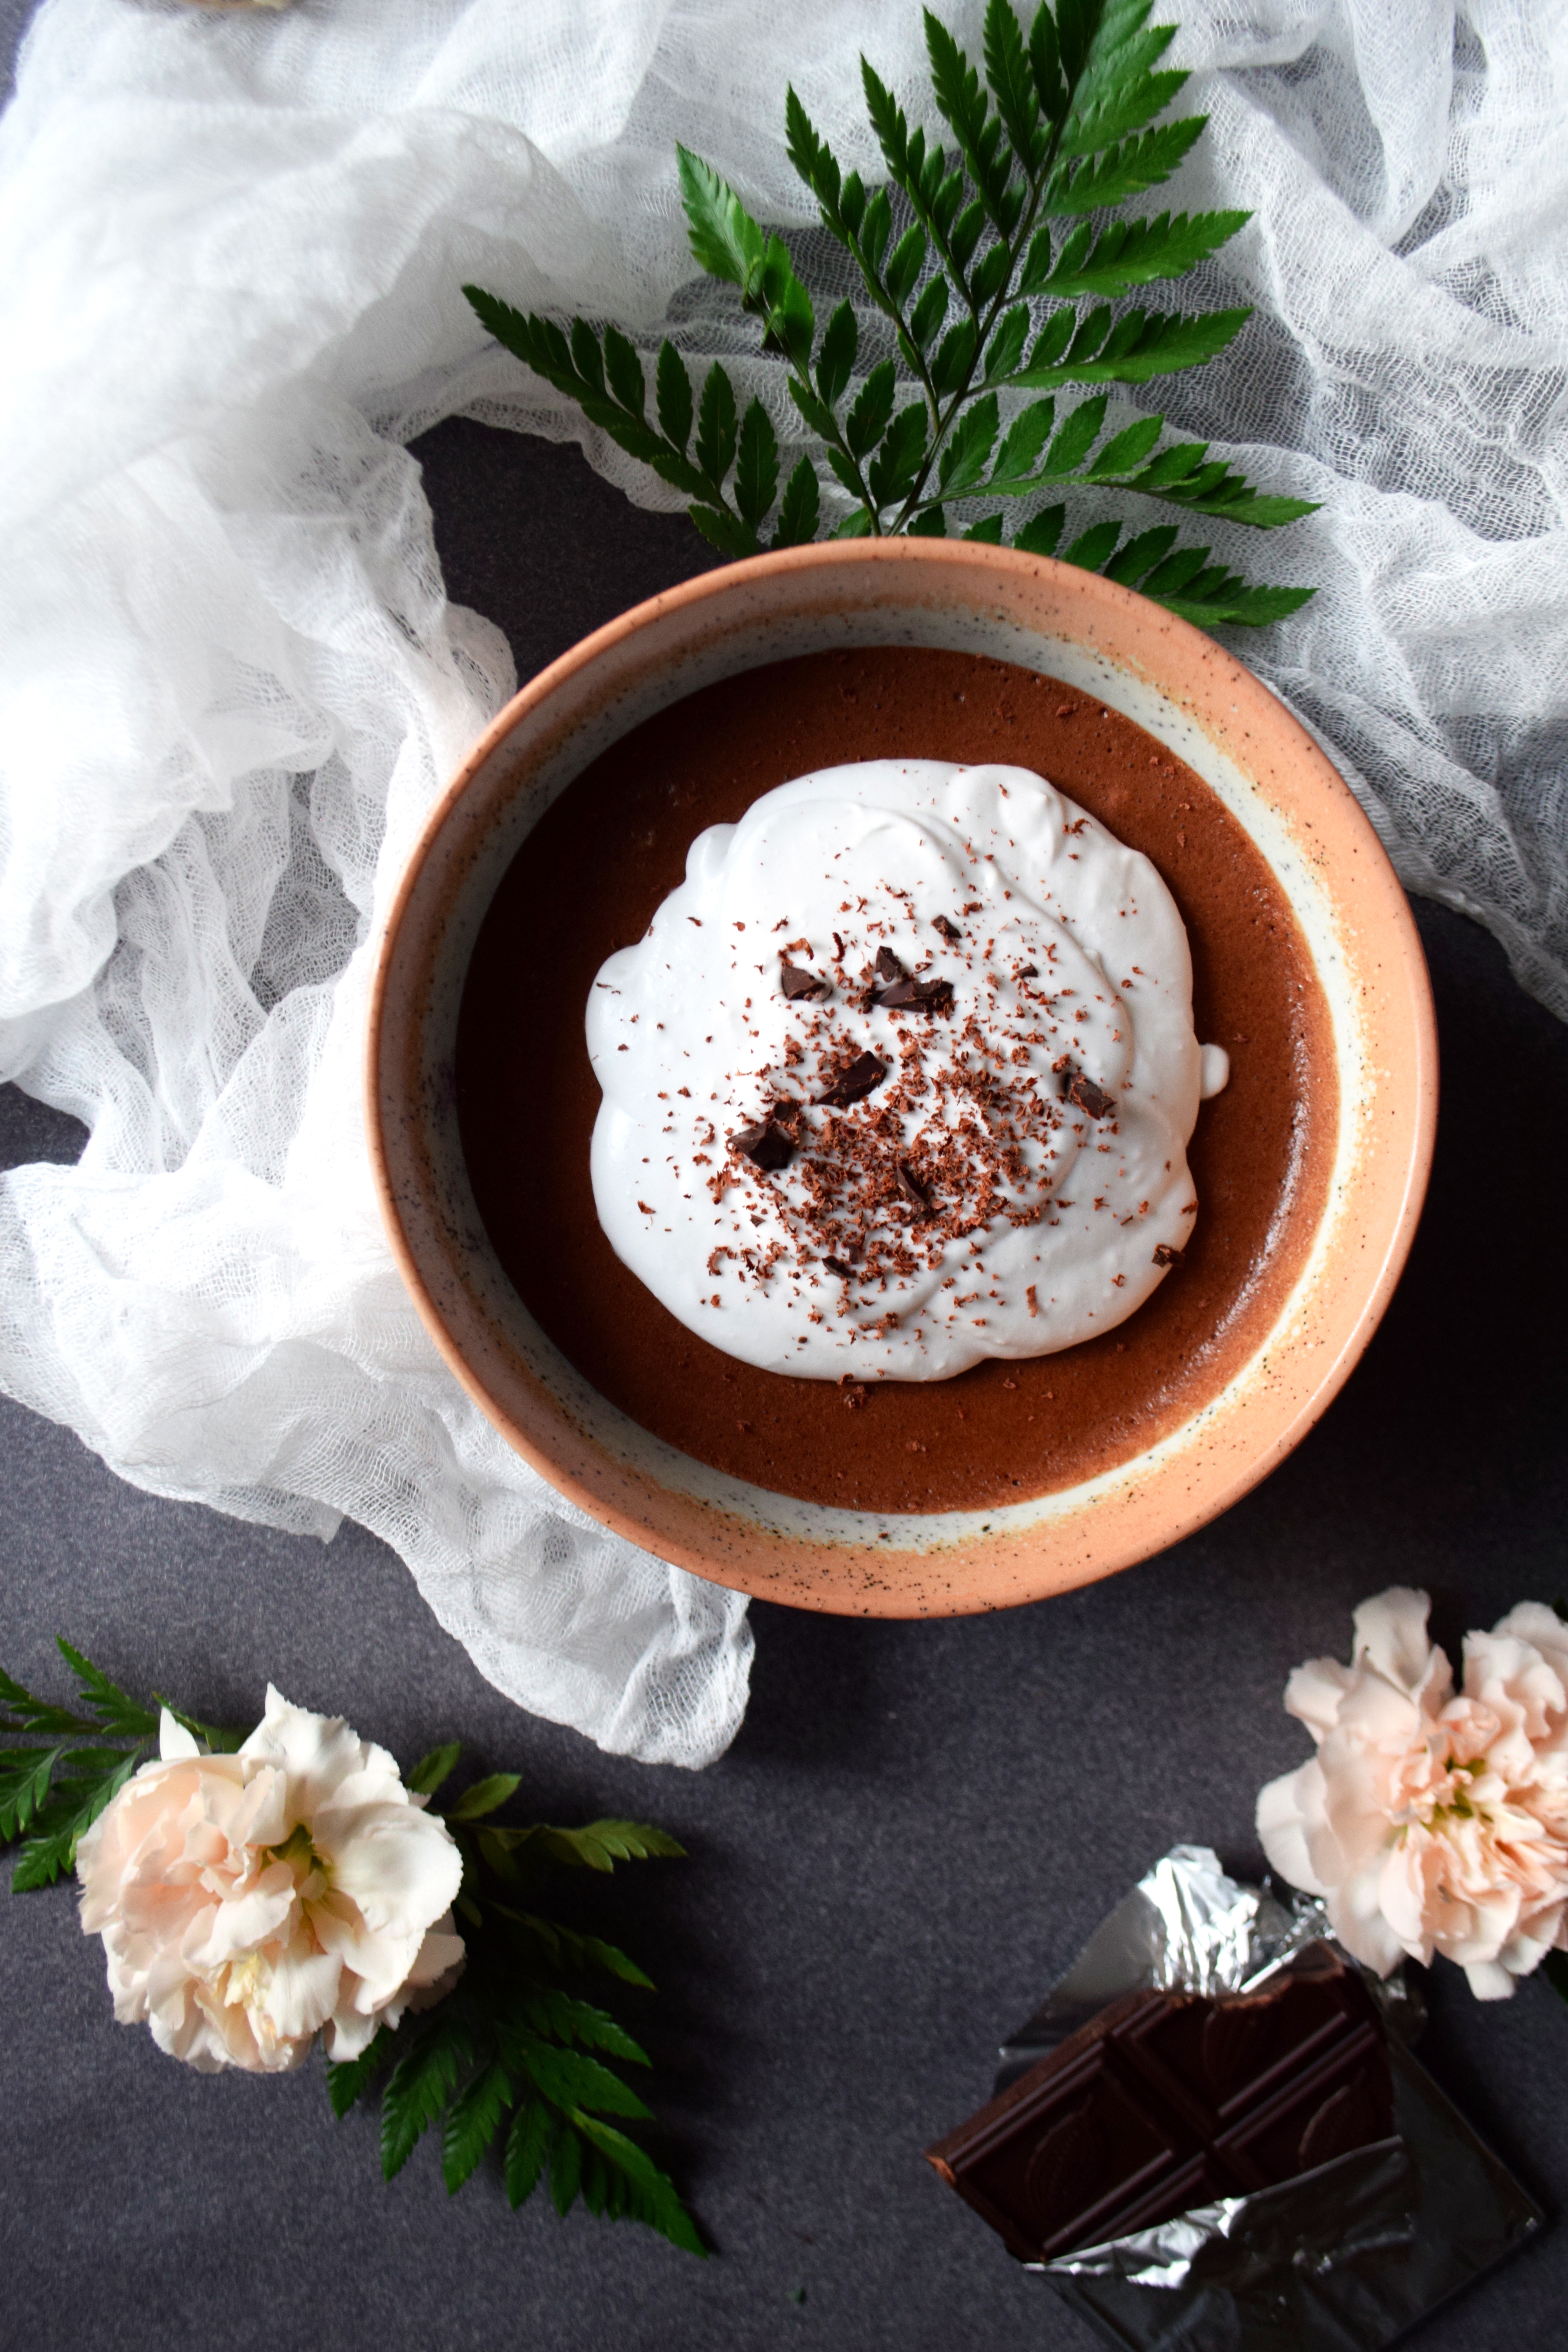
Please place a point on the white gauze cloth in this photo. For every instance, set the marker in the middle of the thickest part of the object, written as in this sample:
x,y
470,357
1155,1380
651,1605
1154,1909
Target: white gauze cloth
x,y
230,684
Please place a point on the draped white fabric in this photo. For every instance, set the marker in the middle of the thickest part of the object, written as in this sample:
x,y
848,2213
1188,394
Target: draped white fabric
x,y
230,254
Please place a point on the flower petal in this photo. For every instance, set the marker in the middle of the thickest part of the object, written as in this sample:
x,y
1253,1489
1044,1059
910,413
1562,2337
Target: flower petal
x,y
400,1867
1391,1636
174,1742
1282,1829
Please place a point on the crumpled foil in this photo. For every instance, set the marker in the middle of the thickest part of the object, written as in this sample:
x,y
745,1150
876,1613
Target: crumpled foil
x,y
1343,2259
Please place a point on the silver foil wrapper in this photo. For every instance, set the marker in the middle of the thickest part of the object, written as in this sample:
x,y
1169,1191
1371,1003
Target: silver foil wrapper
x,y
1344,2258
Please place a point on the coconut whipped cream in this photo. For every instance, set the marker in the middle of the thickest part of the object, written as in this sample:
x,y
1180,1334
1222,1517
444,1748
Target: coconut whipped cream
x,y
901,1076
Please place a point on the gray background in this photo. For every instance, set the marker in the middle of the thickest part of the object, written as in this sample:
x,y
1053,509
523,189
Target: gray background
x,y
914,1831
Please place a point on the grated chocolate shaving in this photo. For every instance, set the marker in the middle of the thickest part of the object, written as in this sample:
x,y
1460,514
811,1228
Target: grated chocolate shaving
x,y
1090,1098
864,1074
948,927
917,996
767,1147
1165,1256
805,985
909,1185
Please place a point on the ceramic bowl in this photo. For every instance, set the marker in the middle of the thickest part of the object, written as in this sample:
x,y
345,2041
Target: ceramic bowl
x,y
1192,696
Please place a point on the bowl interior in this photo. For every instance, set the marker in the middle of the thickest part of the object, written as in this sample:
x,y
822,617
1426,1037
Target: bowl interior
x,y
1108,646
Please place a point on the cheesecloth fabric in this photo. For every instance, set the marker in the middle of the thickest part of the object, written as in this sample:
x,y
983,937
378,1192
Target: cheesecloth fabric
x,y
230,254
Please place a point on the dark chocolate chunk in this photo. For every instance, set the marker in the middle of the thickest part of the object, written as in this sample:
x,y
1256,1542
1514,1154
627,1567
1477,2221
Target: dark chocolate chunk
x,y
889,968
1166,2100
1027,972
921,996
1165,1256
796,982
909,1185
948,927
864,1073
837,1266
1089,1097
766,1146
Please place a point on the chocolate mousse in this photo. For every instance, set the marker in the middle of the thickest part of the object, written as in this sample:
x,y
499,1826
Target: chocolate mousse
x,y
588,881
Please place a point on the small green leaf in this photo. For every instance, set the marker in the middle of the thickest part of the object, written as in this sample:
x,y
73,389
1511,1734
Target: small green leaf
x,y
24,1787
75,1805
549,2011
756,465
1229,602
1026,437
964,235
989,275
813,160
890,476
726,532
962,461
472,2122
348,2077
905,263
1012,84
1124,171
1006,348
931,522
836,361
431,1770
716,427
419,2086
789,323
872,411
564,1944
817,415
623,370
572,2079
800,512
1077,438
1127,450
954,359
874,230
660,2203
1170,576
672,388
1040,534
565,2171
484,1797
1137,253
989,528
114,1708
37,1715
725,241
1044,63
1141,554
1089,551
586,357
928,313
527,2144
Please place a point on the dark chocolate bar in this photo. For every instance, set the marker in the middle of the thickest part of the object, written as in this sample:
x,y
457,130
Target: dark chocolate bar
x,y
1169,2100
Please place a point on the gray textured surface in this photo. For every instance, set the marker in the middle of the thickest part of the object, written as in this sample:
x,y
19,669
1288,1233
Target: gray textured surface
x,y
917,1826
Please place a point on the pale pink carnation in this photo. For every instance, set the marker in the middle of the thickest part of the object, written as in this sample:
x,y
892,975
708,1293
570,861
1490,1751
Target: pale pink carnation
x,y
1430,1822
248,1902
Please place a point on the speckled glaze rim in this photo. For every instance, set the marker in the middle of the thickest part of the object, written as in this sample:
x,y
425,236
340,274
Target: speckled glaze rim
x,y
1103,640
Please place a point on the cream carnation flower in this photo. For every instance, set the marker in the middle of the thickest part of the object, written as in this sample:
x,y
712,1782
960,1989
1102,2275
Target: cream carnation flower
x,y
1430,1821
248,1902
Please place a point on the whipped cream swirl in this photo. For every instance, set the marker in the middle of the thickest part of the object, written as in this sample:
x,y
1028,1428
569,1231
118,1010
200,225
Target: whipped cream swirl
x,y
901,1076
